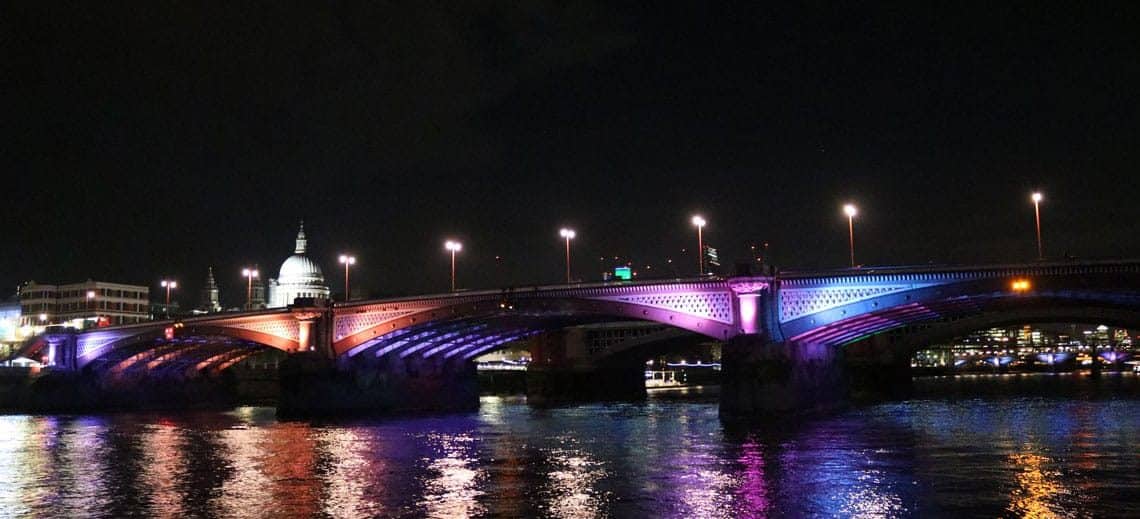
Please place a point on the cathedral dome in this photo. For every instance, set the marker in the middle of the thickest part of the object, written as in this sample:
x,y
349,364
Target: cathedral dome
x,y
298,269
299,277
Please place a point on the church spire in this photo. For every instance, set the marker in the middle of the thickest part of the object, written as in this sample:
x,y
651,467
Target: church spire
x,y
300,239
209,297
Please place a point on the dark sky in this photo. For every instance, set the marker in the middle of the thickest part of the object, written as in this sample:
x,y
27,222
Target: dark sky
x,y
148,139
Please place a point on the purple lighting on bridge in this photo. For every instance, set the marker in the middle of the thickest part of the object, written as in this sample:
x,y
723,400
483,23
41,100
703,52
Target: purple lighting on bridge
x,y
749,309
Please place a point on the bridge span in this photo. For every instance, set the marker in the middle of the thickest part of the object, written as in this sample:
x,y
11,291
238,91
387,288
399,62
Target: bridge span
x,y
785,334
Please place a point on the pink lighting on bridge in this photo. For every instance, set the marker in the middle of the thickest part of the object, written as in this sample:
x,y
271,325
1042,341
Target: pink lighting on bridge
x,y
749,309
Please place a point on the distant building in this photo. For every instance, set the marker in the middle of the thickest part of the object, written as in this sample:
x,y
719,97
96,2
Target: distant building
x,y
83,305
299,277
9,326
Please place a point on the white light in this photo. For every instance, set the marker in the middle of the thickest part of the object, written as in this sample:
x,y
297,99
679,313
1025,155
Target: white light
x,y
850,210
1037,197
453,246
347,260
567,233
699,221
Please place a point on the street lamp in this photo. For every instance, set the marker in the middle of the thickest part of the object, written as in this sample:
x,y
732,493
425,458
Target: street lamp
x,y
168,284
454,247
700,223
346,260
569,235
249,275
1037,218
850,211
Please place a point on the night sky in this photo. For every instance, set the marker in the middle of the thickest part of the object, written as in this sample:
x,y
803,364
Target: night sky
x,y
149,139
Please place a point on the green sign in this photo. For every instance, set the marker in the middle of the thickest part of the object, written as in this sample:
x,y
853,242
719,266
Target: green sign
x,y
623,273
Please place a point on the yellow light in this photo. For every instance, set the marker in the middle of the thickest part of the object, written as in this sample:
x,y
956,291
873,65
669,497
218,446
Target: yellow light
x,y
1020,285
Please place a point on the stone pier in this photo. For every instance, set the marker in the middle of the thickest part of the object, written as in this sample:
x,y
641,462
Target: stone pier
x,y
551,385
313,385
763,379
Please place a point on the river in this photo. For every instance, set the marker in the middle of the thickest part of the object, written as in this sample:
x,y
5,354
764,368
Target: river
x,y
1016,445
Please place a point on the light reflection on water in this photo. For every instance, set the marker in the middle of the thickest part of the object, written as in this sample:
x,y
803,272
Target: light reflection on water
x,y
1017,455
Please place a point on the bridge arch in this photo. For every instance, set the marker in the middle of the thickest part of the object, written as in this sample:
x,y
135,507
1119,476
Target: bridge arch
x,y
841,310
187,347
473,327
930,321
1035,312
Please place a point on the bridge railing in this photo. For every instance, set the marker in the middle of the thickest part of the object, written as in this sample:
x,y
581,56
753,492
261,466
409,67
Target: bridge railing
x,y
534,289
1058,267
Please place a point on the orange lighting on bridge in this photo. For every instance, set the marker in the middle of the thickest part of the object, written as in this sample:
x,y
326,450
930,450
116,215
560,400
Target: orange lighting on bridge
x,y
1020,285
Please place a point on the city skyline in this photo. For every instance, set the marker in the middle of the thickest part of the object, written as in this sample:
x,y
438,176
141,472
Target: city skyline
x,y
139,153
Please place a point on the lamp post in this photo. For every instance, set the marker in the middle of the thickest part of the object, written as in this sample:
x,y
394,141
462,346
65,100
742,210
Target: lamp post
x,y
168,285
454,247
700,223
249,275
1037,197
347,260
569,235
90,303
850,211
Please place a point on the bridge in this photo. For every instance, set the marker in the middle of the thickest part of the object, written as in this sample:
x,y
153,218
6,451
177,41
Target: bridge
x,y
787,336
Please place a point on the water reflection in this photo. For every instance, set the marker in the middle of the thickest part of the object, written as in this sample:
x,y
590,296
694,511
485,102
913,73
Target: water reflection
x,y
1038,488
163,468
346,474
752,492
571,482
451,486
1016,456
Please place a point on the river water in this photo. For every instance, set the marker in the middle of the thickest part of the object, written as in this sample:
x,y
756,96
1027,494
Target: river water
x,y
1030,445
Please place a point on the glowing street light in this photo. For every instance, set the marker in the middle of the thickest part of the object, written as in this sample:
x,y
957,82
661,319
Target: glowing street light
x,y
850,211
249,275
569,235
168,285
1037,197
346,261
700,223
454,247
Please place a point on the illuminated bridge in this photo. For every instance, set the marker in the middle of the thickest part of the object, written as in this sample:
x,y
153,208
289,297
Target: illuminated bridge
x,y
784,334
